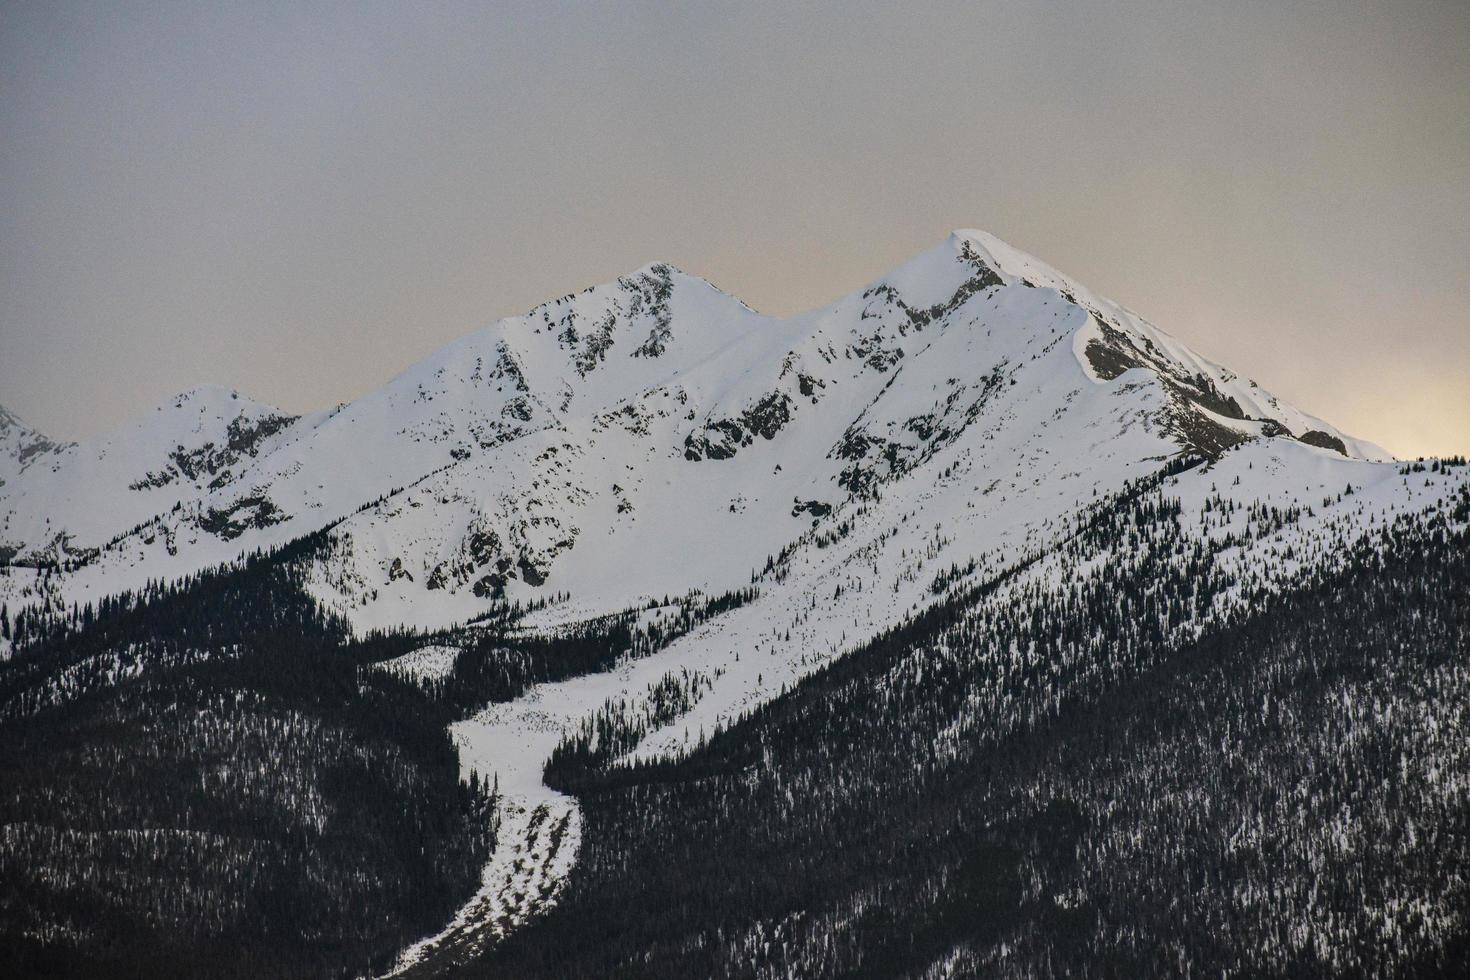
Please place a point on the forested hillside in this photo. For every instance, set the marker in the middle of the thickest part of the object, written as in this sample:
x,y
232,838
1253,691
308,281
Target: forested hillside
x,y
1050,785
201,780
214,777
970,625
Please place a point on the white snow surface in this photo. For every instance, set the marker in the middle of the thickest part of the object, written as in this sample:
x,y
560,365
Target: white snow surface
x,y
564,434
429,663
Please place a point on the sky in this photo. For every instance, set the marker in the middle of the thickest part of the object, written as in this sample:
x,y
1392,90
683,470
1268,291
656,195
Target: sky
x,y
300,200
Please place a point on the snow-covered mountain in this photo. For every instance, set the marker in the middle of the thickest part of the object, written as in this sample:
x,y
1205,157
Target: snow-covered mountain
x,y
640,438
694,510
20,445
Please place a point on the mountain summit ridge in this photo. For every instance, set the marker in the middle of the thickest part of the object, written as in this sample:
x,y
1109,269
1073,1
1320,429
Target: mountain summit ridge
x,y
539,427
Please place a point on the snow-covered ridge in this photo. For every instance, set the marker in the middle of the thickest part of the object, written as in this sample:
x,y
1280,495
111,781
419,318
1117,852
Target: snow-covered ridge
x,y
657,428
20,446
1254,403
653,436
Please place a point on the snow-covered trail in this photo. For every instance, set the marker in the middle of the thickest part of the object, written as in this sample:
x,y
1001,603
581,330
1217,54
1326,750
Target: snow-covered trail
x,y
535,848
539,828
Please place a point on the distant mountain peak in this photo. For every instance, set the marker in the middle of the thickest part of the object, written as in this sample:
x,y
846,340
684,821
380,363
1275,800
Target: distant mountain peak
x,y
20,444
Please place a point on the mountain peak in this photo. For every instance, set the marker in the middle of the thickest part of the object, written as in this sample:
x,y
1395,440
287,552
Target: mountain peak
x,y
658,379
216,401
204,394
19,444
1011,262
975,239
676,277
658,267
9,420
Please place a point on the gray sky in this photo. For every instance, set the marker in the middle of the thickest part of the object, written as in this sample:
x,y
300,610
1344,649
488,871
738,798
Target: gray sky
x,y
299,200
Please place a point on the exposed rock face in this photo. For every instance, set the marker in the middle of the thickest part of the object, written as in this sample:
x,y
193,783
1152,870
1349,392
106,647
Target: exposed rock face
x,y
723,438
1323,440
243,438
20,445
246,514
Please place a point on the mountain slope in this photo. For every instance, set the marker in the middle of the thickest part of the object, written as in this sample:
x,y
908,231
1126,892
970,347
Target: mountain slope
x,y
65,504
1040,784
617,540
655,413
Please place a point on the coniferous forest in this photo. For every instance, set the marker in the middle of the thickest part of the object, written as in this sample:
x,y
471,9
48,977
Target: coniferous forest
x,y
201,780
212,777
1049,786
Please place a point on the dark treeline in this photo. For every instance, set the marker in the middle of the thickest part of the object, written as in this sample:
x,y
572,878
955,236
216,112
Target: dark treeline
x,y
200,780
500,664
579,759
208,777
1068,780
207,614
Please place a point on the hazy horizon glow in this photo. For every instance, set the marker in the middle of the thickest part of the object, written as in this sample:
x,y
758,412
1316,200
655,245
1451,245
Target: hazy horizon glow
x,y
300,200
